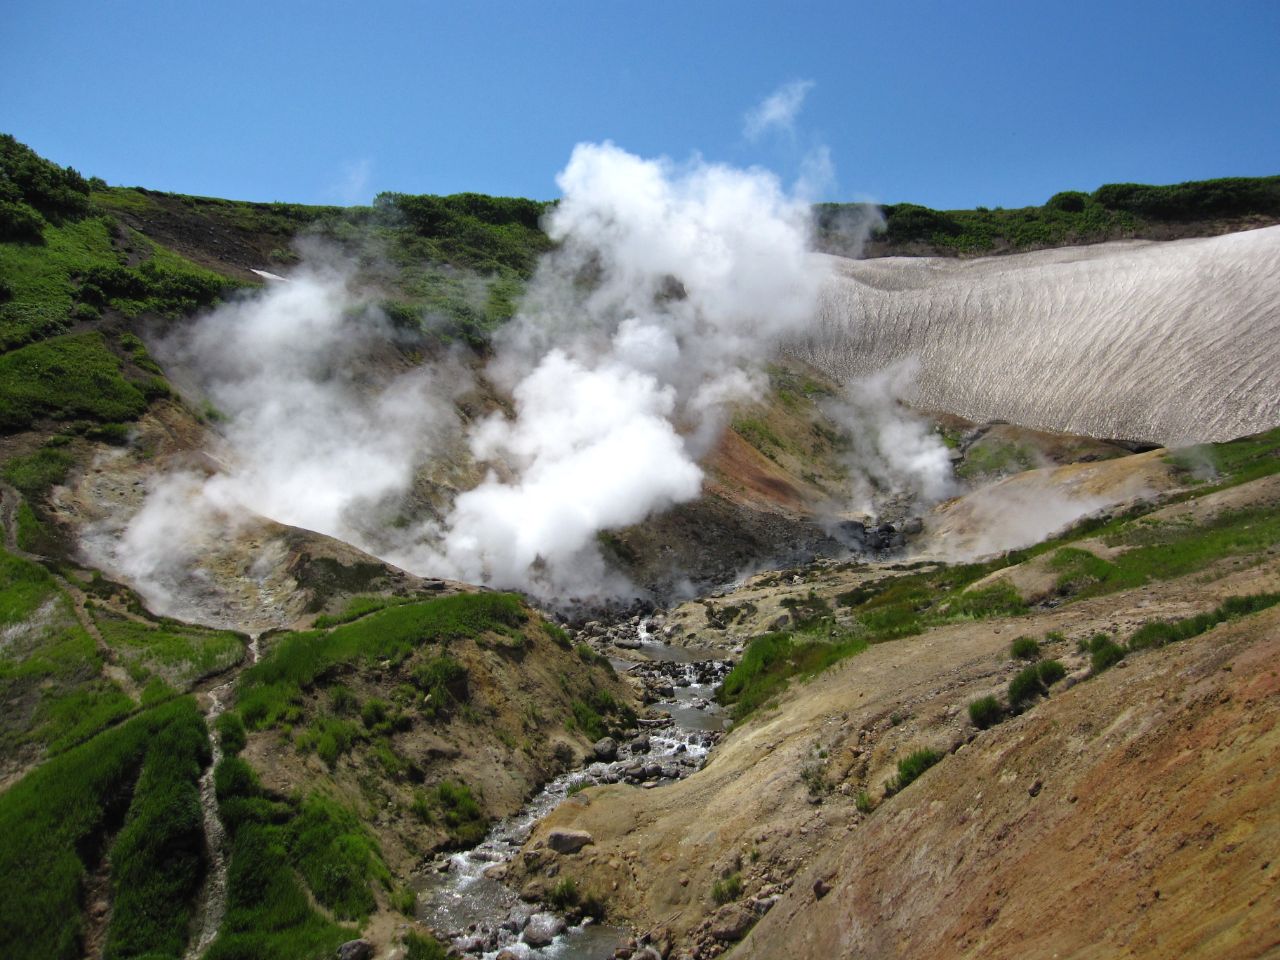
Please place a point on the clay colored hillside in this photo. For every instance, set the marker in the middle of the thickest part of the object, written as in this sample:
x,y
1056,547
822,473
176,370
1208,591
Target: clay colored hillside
x,y
1122,803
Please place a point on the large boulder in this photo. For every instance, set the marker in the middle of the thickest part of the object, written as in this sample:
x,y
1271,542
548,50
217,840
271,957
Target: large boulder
x,y
542,929
731,923
606,749
568,841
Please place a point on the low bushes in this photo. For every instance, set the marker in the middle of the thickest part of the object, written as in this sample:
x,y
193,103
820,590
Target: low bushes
x,y
911,767
985,712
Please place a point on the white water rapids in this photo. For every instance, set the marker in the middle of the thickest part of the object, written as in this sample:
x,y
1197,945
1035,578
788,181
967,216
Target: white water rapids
x,y
1175,341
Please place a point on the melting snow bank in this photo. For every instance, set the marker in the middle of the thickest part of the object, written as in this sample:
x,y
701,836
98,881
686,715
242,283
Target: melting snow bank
x,y
481,916
1158,341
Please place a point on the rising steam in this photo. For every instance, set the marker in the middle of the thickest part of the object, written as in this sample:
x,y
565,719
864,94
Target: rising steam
x,y
669,288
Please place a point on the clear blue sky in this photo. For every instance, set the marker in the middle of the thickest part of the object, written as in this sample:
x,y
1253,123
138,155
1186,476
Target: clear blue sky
x,y
951,104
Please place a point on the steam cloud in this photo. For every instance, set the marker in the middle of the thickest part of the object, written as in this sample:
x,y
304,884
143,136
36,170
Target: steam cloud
x,y
671,285
777,111
892,449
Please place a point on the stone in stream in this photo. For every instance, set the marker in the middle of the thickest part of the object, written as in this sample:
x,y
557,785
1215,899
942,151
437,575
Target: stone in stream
x,y
568,841
355,950
606,749
542,929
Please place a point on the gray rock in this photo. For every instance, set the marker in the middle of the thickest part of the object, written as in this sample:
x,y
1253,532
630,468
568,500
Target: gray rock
x,y
606,749
568,841
731,923
542,929
355,950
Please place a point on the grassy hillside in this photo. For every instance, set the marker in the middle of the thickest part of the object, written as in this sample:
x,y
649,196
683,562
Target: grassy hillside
x,y
1113,211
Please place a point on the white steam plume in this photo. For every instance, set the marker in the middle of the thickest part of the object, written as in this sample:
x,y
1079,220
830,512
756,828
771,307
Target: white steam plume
x,y
893,450
670,287
315,436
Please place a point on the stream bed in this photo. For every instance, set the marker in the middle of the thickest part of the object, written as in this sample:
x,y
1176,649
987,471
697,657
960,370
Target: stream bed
x,y
481,916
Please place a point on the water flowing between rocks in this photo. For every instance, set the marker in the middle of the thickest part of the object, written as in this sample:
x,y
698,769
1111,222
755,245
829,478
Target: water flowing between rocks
x,y
481,915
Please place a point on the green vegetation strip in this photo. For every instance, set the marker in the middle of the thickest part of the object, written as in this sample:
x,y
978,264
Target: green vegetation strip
x,y
55,822
50,669
297,661
888,609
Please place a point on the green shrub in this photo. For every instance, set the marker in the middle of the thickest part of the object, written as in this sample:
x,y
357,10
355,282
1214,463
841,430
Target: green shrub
x,y
1051,671
863,802
1025,687
727,888
1025,648
564,895
1104,653
911,767
231,734
423,947
65,378
985,712
36,473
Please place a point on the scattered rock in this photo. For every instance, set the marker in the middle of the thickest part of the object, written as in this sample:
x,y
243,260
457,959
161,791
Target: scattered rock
x,y
542,929
355,950
568,841
821,888
731,923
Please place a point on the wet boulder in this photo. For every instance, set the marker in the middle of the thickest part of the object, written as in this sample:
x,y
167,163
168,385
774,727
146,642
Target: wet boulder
x,y
542,929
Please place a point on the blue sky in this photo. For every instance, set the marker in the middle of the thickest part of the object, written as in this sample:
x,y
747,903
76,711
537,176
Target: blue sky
x,y
948,104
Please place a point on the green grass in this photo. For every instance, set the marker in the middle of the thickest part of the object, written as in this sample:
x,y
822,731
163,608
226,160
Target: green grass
x,y
1158,633
283,852
1025,686
158,859
423,947
888,609
1104,653
53,824
1051,671
65,378
985,712
727,888
1162,551
41,279
911,767
455,808
600,715
356,608
50,669
1024,648
179,653
269,689
337,857
990,457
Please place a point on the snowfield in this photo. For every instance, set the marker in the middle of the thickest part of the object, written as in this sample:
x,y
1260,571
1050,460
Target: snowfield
x,y
1169,342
